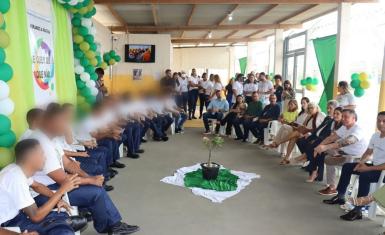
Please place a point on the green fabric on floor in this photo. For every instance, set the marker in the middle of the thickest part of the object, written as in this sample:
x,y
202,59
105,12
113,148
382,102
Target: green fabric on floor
x,y
225,181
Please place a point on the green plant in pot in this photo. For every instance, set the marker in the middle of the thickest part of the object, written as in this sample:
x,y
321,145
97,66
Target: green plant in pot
x,y
210,169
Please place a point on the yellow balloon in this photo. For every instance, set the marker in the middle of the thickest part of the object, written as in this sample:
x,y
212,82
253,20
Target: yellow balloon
x,y
4,39
84,46
83,10
6,157
104,65
112,61
94,62
73,10
78,39
363,76
1,19
90,54
75,31
308,87
365,84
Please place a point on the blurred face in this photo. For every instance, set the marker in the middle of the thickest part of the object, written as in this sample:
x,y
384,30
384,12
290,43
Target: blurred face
x,y
251,78
168,73
204,77
381,123
292,106
337,116
330,109
36,158
287,85
262,77
304,104
58,124
311,109
218,94
273,99
239,99
194,72
340,90
69,114
348,119
278,81
255,97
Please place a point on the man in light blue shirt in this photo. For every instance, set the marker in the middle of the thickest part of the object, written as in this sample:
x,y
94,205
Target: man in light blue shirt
x,y
215,110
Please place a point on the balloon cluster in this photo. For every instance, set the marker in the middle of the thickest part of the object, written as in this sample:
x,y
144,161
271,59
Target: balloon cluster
x,y
310,83
110,58
360,82
86,51
7,136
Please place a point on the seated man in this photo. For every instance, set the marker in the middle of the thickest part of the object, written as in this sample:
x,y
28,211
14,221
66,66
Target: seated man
x,y
345,145
160,119
215,110
34,117
368,173
17,206
269,113
253,111
178,113
89,195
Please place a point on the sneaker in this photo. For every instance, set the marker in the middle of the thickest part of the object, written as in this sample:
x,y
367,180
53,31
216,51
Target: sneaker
x,y
123,229
118,165
140,151
328,192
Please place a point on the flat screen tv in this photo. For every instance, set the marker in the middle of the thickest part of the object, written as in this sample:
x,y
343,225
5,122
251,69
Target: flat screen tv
x,y
139,53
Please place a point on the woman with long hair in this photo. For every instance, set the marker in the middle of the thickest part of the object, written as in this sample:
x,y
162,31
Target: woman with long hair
x,y
345,98
236,110
250,87
217,85
288,94
229,91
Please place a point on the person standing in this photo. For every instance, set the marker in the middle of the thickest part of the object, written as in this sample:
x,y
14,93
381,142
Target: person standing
x,y
193,83
278,89
168,83
102,90
205,89
265,89
217,85
250,87
288,94
344,98
229,91
237,87
183,90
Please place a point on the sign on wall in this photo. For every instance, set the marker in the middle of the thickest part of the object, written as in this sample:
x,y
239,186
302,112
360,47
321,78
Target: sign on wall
x,y
40,32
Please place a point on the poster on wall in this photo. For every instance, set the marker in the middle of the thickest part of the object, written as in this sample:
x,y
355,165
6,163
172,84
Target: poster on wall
x,y
137,74
40,32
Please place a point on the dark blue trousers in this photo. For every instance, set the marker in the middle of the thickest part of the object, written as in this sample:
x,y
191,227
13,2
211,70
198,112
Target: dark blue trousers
x,y
307,146
192,101
96,200
163,122
204,101
209,115
365,178
255,127
237,122
156,127
96,163
113,149
53,224
180,119
132,136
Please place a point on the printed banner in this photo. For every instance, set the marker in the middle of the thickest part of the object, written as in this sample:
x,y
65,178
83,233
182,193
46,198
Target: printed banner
x,y
40,32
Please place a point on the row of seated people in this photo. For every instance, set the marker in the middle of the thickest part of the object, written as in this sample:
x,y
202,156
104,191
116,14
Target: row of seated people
x,y
331,140
60,156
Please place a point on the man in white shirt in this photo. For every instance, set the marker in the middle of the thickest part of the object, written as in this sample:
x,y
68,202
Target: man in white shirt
x,y
183,91
193,83
17,206
90,194
205,89
216,110
237,88
368,173
345,145
250,87
265,89
34,119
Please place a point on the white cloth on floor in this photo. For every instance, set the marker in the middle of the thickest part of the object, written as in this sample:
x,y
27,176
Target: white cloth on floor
x,y
215,196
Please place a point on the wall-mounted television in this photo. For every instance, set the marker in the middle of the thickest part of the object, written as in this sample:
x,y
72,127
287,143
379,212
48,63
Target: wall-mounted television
x,y
139,53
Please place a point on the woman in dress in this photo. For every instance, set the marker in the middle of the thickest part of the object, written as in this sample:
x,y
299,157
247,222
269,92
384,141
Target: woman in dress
x,y
288,94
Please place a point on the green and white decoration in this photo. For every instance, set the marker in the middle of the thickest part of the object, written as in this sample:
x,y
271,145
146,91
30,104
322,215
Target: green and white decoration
x,y
310,83
110,58
7,106
360,82
228,184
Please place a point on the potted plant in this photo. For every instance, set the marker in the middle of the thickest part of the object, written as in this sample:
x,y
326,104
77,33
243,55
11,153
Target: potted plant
x,y
210,169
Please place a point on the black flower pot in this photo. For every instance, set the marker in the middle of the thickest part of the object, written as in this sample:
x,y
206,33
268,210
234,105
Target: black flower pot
x,y
210,173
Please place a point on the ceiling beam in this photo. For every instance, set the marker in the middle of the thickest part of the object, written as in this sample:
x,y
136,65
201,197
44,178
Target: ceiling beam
x,y
154,14
263,13
221,21
150,28
299,13
120,19
193,6
215,40
229,1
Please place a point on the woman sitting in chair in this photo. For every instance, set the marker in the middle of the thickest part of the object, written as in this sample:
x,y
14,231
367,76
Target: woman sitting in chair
x,y
236,111
312,121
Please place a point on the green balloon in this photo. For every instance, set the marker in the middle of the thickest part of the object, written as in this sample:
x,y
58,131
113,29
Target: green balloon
x,y
355,83
303,82
85,91
314,81
2,55
106,57
308,80
118,58
355,76
91,99
83,30
5,124
89,38
4,26
80,84
78,54
93,46
8,139
76,21
359,92
84,62
94,76
112,53
4,6
89,69
6,72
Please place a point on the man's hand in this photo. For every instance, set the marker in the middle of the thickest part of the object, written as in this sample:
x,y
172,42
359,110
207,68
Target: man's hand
x,y
97,180
362,167
63,204
71,182
83,154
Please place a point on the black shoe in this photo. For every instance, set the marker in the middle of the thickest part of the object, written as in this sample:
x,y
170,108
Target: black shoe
x,y
165,138
143,140
133,155
123,229
140,151
189,118
244,140
77,223
86,214
108,187
200,116
113,172
157,139
118,165
352,215
193,117
334,200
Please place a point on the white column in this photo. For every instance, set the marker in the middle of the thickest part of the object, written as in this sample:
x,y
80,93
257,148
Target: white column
x,y
381,103
341,71
278,51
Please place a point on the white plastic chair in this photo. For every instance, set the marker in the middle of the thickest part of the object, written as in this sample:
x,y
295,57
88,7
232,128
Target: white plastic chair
x,y
13,229
374,187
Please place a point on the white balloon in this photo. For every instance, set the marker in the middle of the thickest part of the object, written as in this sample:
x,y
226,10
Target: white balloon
x,y
85,77
76,61
87,23
7,106
79,69
91,83
94,91
4,90
73,2
61,1
93,31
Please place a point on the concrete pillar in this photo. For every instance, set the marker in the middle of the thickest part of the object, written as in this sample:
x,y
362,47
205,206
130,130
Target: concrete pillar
x,y
381,102
342,64
278,51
